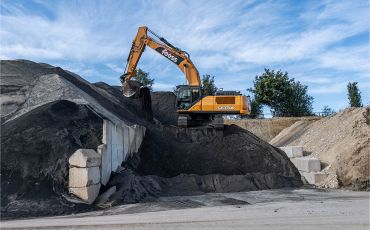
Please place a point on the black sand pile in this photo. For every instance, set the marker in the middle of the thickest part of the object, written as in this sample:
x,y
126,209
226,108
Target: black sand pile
x,y
49,113
163,106
34,157
176,161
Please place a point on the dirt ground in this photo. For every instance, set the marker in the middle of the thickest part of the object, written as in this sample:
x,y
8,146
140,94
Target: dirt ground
x,y
267,209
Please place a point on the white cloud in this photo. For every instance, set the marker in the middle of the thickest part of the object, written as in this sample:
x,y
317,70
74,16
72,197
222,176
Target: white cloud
x,y
115,68
232,40
160,86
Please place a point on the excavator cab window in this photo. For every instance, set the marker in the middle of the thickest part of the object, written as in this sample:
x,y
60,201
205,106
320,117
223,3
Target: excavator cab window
x,y
186,96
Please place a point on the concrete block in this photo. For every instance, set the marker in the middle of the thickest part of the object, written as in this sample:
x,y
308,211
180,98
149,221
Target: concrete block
x,y
115,160
126,142
105,168
132,132
83,177
314,177
85,158
120,156
306,164
87,194
293,151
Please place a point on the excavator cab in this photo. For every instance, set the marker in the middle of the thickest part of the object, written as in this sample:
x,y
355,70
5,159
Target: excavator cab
x,y
186,96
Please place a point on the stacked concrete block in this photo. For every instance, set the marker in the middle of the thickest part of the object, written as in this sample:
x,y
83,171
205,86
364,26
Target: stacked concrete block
x,y
84,174
90,169
306,164
293,151
314,177
308,167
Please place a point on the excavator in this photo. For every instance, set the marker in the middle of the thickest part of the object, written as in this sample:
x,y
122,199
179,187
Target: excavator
x,y
193,108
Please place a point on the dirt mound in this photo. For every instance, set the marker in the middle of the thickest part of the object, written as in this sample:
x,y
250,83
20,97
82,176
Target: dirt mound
x,y
339,141
267,129
46,114
35,152
164,107
178,161
25,85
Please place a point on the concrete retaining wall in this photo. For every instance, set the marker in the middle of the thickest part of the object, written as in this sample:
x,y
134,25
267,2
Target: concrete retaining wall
x,y
89,169
119,143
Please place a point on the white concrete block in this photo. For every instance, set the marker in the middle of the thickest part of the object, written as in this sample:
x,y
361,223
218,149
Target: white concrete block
x,y
132,132
314,177
126,142
306,164
87,194
83,177
115,161
105,168
120,156
85,158
293,151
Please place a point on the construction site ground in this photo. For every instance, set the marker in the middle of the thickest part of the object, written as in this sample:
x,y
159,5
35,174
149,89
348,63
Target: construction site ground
x,y
266,209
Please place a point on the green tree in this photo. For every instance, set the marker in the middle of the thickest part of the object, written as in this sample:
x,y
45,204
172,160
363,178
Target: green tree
x,y
354,95
283,95
256,109
208,85
142,77
327,111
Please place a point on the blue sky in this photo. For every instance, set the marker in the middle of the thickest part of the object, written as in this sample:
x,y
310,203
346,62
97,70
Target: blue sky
x,y
323,44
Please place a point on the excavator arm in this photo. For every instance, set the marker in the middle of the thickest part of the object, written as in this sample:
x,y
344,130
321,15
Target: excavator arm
x,y
175,55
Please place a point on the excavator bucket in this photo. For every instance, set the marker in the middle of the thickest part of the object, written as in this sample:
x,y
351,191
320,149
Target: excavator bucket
x,y
131,88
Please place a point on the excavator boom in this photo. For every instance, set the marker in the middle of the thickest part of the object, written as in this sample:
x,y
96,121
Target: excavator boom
x,y
163,47
191,105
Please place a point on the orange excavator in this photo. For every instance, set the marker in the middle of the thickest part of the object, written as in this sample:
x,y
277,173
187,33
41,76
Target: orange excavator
x,y
193,107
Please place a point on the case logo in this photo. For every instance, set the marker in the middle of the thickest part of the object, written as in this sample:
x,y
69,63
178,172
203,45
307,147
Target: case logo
x,y
225,107
172,57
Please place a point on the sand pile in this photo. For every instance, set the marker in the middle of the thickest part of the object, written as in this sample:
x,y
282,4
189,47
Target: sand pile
x,y
267,129
339,141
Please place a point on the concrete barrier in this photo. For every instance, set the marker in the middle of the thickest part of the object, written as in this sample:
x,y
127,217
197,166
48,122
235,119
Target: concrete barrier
x,y
83,177
84,174
306,164
84,158
89,169
293,151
